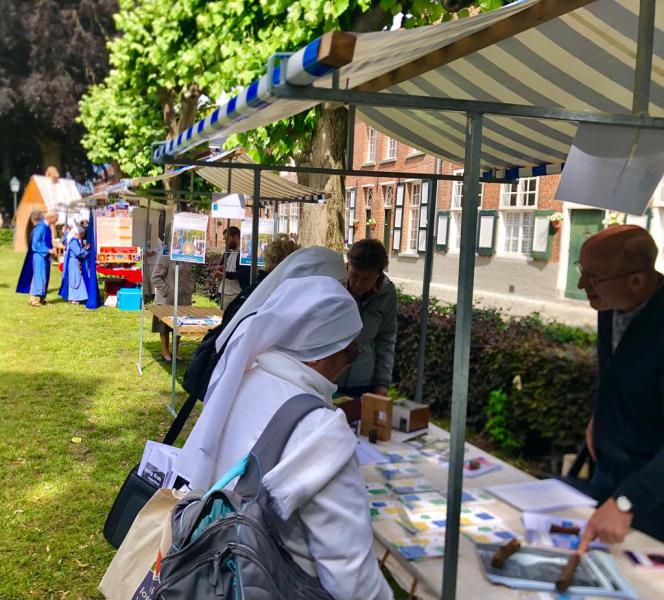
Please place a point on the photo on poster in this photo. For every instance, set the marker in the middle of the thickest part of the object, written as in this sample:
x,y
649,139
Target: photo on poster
x,y
189,239
265,234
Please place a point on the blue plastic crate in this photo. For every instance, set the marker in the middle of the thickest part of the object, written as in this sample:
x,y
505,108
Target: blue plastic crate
x,y
129,299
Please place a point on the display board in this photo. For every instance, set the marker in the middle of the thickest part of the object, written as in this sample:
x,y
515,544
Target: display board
x,y
114,231
265,234
228,206
189,238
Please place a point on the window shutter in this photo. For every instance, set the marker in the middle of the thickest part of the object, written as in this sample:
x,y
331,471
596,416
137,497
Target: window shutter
x,y
398,218
442,230
641,221
351,218
542,235
422,225
486,232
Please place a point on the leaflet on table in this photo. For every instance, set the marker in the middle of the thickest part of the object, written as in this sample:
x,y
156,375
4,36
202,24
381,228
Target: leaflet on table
x,y
538,531
395,471
421,546
414,521
403,456
546,495
410,486
157,462
488,534
385,509
377,490
200,321
475,467
539,568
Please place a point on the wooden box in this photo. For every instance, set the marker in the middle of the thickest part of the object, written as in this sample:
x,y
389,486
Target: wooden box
x,y
410,416
377,414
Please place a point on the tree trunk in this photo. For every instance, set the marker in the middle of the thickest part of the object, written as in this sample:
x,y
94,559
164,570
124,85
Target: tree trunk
x,y
50,150
324,224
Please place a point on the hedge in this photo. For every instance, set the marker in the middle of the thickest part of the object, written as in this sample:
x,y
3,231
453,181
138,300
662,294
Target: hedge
x,y
6,236
531,384
204,282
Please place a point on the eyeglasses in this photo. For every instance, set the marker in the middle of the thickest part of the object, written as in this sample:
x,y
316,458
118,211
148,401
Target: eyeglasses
x,y
594,280
353,352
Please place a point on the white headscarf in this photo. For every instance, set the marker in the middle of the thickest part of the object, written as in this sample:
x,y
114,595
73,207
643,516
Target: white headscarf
x,y
301,263
311,317
74,229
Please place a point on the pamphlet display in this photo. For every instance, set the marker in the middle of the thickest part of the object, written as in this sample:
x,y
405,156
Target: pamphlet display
x,y
114,233
189,238
265,233
228,206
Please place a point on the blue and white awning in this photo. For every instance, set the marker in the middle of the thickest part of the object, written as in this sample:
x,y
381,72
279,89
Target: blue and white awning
x,y
582,59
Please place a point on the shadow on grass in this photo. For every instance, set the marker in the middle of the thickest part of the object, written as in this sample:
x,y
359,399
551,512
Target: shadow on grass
x,y
186,349
65,450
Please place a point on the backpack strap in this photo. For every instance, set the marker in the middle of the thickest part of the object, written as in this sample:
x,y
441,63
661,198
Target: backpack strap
x,y
267,451
184,412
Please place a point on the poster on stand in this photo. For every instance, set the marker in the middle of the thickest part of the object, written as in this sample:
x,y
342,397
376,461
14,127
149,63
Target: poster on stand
x,y
265,234
228,206
189,238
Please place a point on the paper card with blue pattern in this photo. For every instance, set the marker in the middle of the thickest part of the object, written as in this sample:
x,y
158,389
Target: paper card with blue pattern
x,y
410,486
386,510
416,523
377,490
403,456
396,471
424,501
420,547
488,534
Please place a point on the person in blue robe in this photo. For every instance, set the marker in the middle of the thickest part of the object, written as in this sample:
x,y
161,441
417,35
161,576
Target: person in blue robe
x,y
74,274
36,270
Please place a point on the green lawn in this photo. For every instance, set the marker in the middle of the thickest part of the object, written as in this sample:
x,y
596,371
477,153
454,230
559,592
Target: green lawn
x,y
68,372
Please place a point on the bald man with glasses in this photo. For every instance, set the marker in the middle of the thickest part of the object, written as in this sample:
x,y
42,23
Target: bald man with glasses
x,y
625,435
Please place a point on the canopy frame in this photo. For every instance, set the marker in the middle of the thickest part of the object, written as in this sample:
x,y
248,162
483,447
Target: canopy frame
x,y
475,112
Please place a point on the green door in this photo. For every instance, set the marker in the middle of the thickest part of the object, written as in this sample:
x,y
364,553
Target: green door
x,y
584,223
387,227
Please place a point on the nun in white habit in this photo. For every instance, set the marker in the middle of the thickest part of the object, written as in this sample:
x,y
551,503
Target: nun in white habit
x,y
297,343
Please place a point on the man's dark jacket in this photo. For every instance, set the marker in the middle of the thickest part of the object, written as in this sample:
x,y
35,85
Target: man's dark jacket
x,y
628,431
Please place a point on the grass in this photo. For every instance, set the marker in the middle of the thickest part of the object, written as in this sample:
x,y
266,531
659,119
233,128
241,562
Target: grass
x,y
67,372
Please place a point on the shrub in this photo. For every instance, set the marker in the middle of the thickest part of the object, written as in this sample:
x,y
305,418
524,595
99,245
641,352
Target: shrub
x,y
205,283
6,237
549,402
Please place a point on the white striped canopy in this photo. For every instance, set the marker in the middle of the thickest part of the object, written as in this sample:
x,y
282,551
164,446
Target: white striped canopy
x,y
583,60
573,54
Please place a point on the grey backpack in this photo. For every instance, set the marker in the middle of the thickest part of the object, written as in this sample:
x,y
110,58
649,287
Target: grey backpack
x,y
224,544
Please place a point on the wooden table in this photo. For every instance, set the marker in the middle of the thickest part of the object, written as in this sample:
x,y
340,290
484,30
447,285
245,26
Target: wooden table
x,y
164,312
424,577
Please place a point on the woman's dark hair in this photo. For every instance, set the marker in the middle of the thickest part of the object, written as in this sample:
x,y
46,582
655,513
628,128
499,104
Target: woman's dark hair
x,y
368,254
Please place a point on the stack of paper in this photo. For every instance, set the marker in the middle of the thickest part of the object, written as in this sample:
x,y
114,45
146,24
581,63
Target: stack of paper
x,y
425,501
157,463
406,456
546,495
368,454
410,486
538,531
421,546
377,490
386,509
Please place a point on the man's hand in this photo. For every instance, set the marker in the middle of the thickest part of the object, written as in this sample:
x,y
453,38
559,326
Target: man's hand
x,y
608,524
589,439
53,251
218,273
381,390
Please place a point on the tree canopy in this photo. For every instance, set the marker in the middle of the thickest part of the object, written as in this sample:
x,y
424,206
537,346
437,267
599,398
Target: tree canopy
x,y
175,58
50,52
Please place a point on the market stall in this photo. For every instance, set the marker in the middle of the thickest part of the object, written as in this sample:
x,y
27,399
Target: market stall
x,y
504,124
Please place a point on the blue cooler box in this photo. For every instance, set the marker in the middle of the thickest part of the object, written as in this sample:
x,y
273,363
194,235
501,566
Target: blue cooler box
x,y
129,299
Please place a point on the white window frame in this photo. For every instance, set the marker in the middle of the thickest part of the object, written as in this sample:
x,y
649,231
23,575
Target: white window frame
x,y
349,215
414,215
515,201
391,149
371,144
386,189
520,194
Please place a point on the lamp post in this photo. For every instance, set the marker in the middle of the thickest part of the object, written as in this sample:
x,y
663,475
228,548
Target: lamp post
x,y
14,186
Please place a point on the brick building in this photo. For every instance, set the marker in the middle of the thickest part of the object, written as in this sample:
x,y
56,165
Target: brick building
x,y
521,253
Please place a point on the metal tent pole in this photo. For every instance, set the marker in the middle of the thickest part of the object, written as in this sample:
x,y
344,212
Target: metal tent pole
x,y
428,268
644,49
255,215
350,137
145,246
171,406
464,315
